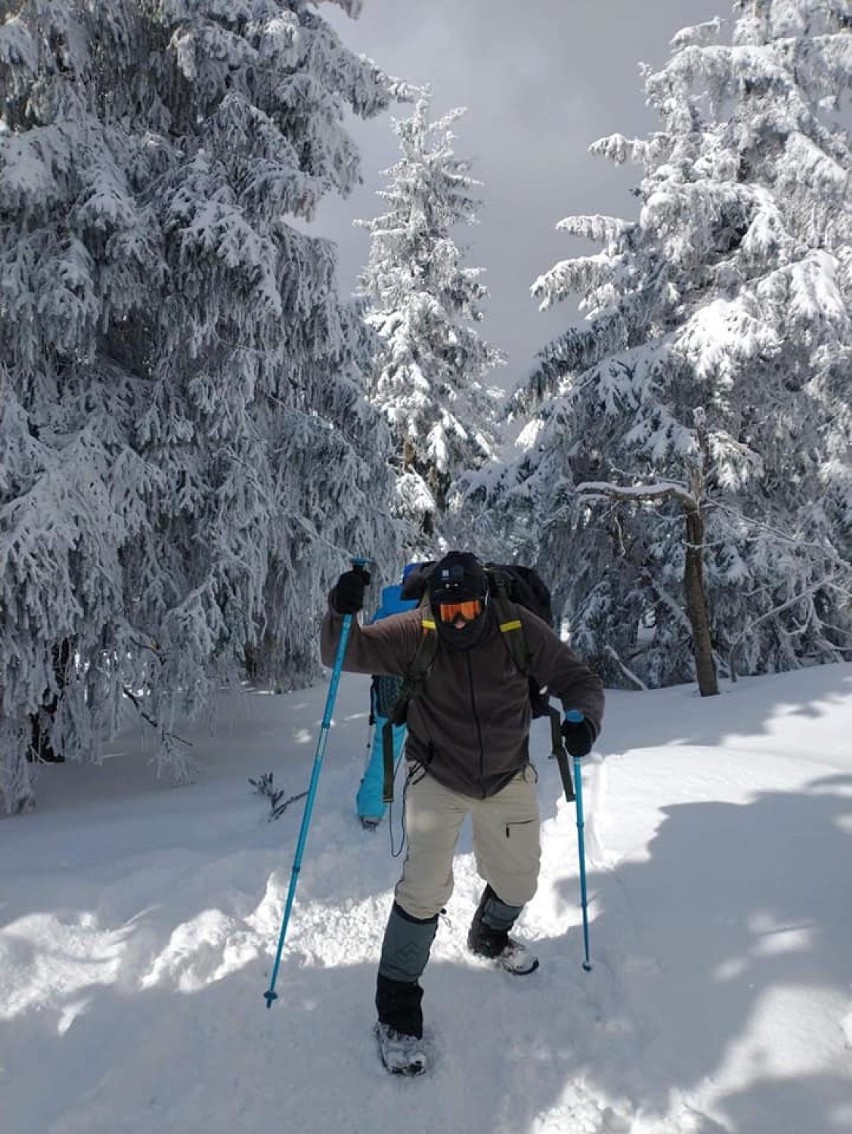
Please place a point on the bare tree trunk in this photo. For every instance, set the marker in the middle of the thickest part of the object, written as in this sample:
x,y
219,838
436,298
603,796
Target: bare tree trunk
x,y
693,573
42,749
696,603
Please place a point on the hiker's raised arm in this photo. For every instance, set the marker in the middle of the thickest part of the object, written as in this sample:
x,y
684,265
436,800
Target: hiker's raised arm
x,y
386,647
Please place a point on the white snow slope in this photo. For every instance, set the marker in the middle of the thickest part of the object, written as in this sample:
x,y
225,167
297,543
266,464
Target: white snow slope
x,y
138,924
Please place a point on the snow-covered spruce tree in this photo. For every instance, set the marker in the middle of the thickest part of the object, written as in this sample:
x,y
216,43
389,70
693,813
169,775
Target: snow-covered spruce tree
x,y
185,453
423,304
699,423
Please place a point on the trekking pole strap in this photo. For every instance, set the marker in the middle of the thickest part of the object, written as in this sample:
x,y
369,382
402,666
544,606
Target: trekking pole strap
x,y
560,753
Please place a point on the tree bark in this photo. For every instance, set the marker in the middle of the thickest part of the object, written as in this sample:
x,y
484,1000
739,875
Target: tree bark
x,y
693,572
696,603
41,748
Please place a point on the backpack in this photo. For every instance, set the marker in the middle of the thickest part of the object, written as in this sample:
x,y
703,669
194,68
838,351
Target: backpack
x,y
509,586
385,691
384,694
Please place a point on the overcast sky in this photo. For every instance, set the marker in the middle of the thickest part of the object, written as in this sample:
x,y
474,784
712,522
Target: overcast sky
x,y
541,80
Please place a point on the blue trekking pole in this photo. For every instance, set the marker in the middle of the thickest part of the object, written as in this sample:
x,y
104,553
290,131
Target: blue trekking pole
x,y
271,995
575,716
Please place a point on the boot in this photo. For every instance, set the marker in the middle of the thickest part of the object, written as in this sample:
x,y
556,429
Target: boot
x,y
398,1005
401,1054
489,935
399,1030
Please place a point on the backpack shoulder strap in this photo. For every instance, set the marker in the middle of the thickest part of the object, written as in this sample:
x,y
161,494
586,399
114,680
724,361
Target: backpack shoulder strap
x,y
512,629
412,686
509,621
427,648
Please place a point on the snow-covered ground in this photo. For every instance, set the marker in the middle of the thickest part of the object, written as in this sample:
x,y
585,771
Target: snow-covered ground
x,y
139,923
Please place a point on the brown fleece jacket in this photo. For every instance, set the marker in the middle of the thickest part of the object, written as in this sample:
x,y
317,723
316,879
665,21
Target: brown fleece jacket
x,y
470,726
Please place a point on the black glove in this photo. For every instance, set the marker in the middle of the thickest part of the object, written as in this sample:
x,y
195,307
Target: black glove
x,y
579,735
348,596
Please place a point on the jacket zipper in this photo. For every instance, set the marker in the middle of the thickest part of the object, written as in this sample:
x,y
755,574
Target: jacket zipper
x,y
478,726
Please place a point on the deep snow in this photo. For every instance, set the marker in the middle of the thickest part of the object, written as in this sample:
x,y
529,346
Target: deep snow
x,y
139,924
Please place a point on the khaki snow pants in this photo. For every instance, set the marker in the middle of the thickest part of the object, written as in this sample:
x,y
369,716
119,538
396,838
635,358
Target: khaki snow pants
x,y
505,841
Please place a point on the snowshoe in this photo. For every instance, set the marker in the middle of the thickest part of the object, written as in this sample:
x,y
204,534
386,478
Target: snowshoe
x,y
401,1054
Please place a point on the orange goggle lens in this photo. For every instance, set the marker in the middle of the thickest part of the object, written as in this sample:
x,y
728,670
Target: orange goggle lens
x,y
450,611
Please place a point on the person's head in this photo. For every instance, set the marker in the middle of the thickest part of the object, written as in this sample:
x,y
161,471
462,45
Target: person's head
x,y
458,596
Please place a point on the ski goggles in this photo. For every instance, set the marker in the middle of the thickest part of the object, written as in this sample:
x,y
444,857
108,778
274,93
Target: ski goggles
x,y
467,610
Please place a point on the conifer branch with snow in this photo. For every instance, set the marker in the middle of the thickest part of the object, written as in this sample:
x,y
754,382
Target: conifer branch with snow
x,y
423,303
186,457
716,344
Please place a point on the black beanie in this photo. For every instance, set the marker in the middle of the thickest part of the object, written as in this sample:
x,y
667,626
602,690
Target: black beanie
x,y
457,577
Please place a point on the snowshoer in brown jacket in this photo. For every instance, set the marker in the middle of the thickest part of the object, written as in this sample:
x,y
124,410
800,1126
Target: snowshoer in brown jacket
x,y
467,752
